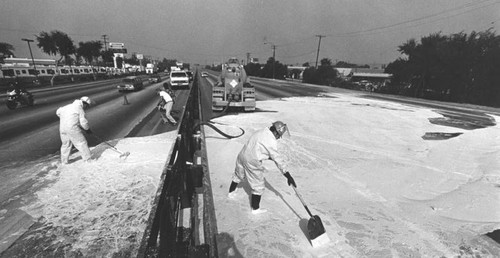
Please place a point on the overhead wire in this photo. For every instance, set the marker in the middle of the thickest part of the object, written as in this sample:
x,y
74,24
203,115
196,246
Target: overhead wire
x,y
437,16
423,18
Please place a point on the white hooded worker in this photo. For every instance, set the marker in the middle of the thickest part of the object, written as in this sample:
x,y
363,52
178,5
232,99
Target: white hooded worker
x,y
166,103
262,145
72,123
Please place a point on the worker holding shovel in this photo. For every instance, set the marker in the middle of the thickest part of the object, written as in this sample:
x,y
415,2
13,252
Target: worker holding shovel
x,y
262,145
72,123
165,105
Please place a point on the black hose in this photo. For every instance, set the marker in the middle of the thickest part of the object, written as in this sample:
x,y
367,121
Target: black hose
x,y
210,124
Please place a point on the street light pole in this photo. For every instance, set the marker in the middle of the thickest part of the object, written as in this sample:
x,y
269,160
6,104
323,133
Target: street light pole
x,y
32,59
274,55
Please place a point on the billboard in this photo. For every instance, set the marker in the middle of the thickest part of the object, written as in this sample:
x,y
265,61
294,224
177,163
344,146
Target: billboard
x,y
122,50
115,45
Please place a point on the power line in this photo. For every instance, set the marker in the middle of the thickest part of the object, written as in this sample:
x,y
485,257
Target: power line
x,y
299,55
294,42
448,13
467,5
435,20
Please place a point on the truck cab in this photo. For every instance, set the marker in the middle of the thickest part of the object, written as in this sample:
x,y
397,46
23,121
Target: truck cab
x,y
151,68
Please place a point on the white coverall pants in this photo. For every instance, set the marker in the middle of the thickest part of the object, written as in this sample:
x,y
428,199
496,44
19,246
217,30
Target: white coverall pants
x,y
77,139
253,171
262,145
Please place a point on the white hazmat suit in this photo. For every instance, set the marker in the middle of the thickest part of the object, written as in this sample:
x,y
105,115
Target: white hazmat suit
x,y
169,102
72,121
262,145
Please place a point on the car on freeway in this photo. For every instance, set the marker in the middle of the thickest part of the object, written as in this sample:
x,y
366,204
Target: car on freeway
x,y
204,74
179,79
130,83
155,78
190,75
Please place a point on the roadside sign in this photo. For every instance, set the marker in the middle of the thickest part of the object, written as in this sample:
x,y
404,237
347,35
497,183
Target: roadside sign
x,y
114,45
139,56
122,50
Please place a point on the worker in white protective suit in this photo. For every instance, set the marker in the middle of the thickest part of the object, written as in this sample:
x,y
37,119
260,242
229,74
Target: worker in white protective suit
x,y
72,123
166,103
262,145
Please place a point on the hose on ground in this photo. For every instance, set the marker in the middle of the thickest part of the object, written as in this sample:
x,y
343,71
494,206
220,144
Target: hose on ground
x,y
210,124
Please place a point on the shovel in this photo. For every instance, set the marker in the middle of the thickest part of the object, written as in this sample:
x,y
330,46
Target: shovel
x,y
315,228
123,155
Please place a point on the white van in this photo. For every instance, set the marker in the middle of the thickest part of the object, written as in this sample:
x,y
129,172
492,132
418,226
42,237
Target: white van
x,y
179,79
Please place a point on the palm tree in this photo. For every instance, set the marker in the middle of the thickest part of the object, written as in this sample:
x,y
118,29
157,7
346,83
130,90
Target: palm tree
x,y
56,43
6,49
90,50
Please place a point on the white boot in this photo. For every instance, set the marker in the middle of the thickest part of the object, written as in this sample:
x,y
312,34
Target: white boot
x,y
232,195
258,211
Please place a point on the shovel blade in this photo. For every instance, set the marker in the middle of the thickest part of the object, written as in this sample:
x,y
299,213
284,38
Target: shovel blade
x,y
317,232
124,155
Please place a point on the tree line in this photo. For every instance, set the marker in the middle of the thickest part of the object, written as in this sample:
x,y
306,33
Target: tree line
x,y
57,43
324,74
459,67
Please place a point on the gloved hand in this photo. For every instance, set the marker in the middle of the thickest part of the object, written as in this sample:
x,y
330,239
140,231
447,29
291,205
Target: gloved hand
x,y
88,131
290,179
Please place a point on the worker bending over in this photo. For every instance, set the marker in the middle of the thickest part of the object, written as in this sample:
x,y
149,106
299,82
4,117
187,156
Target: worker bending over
x,y
262,145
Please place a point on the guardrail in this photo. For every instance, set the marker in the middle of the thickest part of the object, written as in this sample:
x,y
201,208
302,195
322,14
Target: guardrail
x,y
182,219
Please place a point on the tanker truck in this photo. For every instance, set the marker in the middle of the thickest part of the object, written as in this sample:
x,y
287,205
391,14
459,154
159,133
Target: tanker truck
x,y
233,88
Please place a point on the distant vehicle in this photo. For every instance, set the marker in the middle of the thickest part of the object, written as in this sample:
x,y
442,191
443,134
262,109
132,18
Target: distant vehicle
x,y
18,98
204,74
130,83
22,70
155,78
179,79
190,75
151,68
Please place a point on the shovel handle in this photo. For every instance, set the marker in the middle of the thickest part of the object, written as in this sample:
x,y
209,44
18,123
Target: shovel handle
x,y
302,200
113,147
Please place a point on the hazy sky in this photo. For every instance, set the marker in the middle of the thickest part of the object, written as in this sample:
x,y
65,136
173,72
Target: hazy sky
x,y
206,31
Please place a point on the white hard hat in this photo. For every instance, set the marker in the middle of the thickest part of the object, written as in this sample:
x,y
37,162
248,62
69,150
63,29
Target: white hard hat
x,y
86,100
281,128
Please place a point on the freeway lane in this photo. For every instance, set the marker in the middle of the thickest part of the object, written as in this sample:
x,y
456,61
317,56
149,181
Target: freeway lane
x,y
265,89
459,115
22,120
29,133
269,89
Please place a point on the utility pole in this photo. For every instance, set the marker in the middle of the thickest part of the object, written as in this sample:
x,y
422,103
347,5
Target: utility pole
x,y
274,58
105,43
319,44
32,59
274,55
